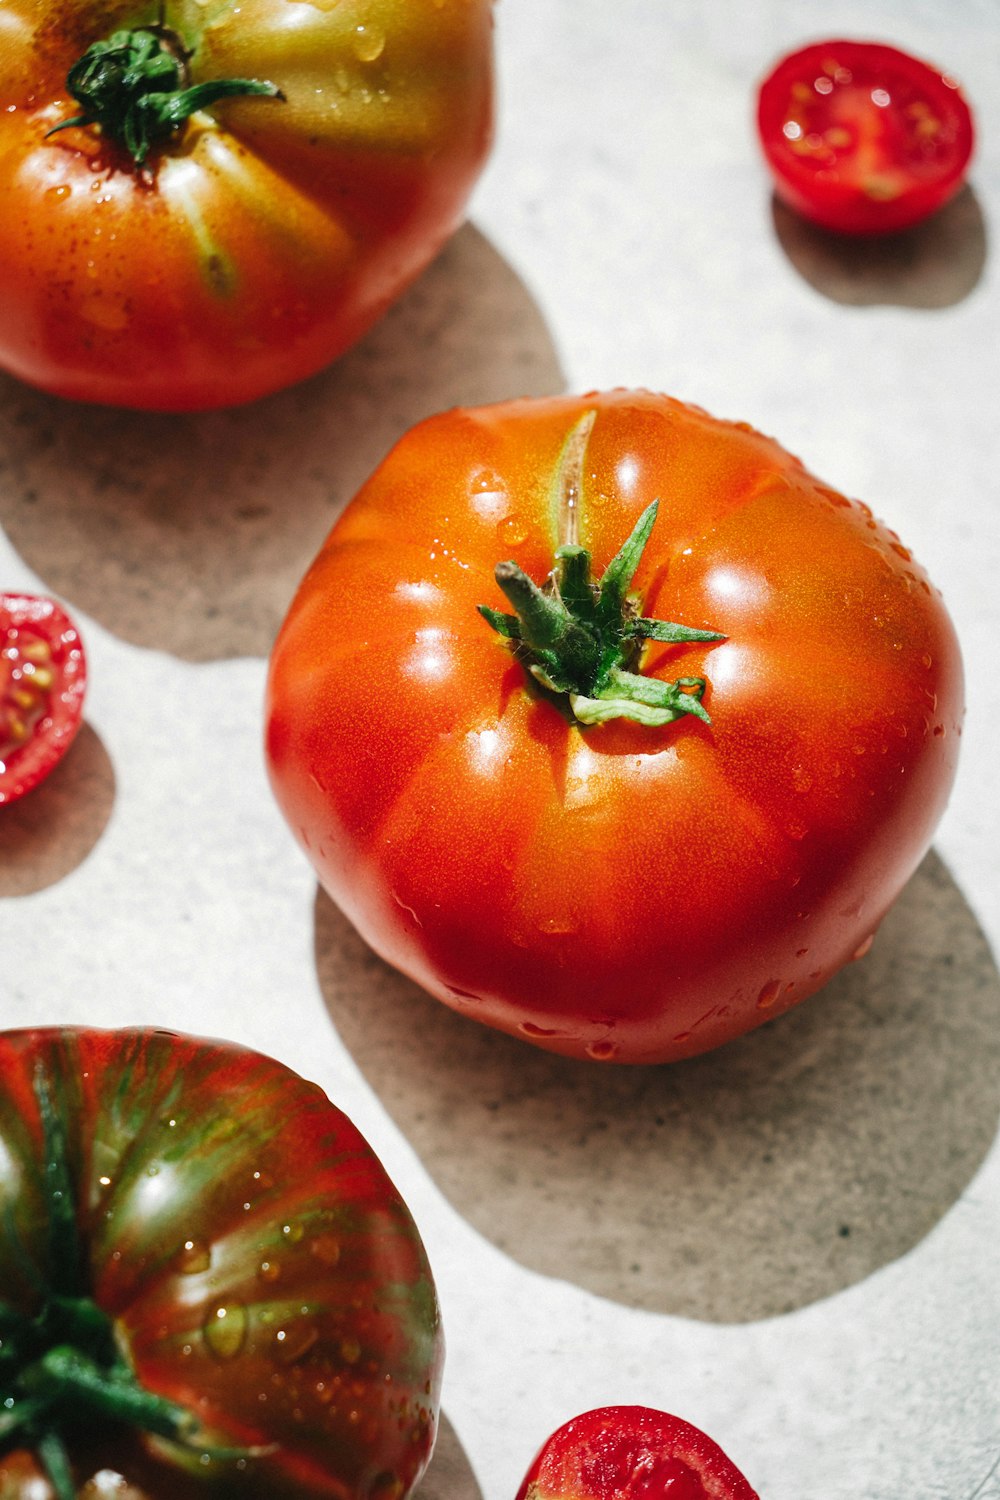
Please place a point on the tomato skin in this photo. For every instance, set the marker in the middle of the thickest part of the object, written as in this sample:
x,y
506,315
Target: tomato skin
x,y
614,892
258,1265
40,715
632,1453
267,236
861,138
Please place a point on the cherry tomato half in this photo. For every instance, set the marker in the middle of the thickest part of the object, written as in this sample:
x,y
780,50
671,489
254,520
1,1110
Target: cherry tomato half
x,y
206,202
622,783
632,1453
43,678
862,138
208,1284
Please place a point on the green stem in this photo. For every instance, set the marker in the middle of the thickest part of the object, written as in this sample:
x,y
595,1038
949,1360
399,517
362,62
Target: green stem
x,y
134,87
582,640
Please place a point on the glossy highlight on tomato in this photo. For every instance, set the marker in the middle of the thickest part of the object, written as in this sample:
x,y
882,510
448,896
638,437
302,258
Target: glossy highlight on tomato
x,y
862,138
43,678
206,203
632,1453
208,1284
677,789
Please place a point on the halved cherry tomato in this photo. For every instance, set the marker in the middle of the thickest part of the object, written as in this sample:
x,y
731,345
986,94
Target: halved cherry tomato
x,y
632,1453
208,1283
43,677
862,138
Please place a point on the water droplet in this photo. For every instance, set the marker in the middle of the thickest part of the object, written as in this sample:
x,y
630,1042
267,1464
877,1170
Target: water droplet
x,y
58,193
192,1257
225,1330
530,1029
769,994
269,1270
292,1233
513,530
602,1051
559,926
864,947
292,1343
326,1248
369,43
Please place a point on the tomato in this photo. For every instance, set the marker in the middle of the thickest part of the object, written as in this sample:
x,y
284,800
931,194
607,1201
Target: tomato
x,y
632,1453
620,866
208,1284
862,138
43,677
249,187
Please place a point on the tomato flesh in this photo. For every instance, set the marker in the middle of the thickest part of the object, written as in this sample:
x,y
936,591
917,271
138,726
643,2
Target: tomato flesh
x,y
862,138
42,685
632,1453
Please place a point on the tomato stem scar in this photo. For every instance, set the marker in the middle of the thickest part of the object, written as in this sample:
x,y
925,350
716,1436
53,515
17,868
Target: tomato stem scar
x,y
134,87
582,640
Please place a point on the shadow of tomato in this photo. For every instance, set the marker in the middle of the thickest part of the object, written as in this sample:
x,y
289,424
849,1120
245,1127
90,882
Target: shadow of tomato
x,y
190,533
737,1186
51,830
450,1475
935,264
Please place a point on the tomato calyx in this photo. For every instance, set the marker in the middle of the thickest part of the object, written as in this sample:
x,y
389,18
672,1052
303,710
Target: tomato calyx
x,y
61,1369
134,86
582,640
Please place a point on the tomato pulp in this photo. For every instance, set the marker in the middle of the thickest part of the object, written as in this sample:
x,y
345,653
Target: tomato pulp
x,y
692,837
43,677
862,138
328,153
632,1453
208,1285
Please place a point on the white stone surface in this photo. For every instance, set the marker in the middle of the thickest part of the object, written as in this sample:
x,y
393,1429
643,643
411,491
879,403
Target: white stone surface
x,y
623,234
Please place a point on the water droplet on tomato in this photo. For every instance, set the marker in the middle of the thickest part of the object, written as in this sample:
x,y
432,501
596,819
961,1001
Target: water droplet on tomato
x,y
225,1330
864,947
192,1257
602,1051
769,994
369,43
295,1341
61,191
513,530
269,1270
530,1029
292,1232
326,1248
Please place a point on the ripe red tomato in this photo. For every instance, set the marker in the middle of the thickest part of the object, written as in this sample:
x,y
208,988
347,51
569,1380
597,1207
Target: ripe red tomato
x,y
176,261
43,677
862,138
632,1453
208,1285
489,812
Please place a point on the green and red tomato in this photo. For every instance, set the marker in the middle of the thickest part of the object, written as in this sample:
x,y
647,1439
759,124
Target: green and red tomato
x,y
627,819
204,203
208,1284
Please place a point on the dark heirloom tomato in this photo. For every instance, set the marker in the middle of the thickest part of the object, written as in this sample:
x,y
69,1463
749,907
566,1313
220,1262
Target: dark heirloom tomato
x,y
862,138
43,677
208,1285
632,1453
535,820
257,182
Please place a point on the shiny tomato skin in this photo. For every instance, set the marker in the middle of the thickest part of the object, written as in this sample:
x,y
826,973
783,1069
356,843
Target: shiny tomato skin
x,y
614,892
43,679
862,138
257,1264
268,234
632,1453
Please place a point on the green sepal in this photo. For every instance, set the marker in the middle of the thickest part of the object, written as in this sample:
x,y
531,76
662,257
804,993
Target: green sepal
x,y
509,626
668,631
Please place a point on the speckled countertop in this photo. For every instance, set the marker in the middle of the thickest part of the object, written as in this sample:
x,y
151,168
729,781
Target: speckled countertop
x,y
793,1242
